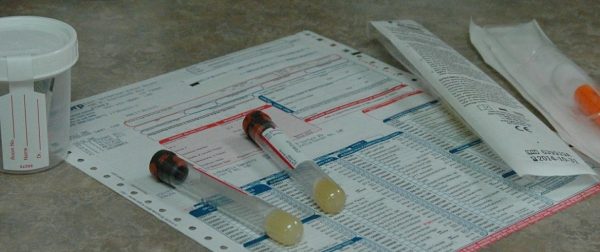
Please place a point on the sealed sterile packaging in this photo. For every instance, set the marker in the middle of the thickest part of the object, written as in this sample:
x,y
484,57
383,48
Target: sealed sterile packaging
x,y
523,142
550,81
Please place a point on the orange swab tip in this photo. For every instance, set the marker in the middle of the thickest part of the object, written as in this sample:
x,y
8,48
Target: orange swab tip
x,y
588,101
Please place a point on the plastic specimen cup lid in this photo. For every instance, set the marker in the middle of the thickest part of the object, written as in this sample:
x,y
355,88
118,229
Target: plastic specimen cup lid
x,y
51,44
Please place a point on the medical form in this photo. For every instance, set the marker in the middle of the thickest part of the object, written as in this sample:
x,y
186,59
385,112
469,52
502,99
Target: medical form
x,y
416,179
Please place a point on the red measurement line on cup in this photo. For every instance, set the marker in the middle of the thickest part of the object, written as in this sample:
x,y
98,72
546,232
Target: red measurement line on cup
x,y
37,101
25,109
12,109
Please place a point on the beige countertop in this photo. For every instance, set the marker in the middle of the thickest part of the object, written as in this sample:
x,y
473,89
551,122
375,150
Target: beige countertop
x,y
122,42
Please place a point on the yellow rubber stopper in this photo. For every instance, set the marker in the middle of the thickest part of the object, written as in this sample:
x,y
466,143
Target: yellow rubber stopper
x,y
283,227
329,196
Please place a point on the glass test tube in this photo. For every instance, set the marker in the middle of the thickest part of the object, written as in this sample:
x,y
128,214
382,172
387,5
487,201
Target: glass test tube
x,y
250,211
328,195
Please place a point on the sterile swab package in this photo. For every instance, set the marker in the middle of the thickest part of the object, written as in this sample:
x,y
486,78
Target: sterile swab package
x,y
550,81
522,141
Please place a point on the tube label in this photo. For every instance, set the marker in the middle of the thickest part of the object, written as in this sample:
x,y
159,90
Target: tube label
x,y
283,147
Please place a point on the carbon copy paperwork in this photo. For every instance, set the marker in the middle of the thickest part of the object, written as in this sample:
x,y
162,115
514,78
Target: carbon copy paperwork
x,y
415,177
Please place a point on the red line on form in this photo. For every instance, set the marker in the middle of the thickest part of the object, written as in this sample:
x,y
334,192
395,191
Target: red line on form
x,y
220,181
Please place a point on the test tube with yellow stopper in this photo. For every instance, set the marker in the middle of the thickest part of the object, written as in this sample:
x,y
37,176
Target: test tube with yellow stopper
x,y
248,210
328,195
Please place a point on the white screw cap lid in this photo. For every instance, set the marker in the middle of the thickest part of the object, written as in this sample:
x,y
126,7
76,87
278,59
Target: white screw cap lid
x,y
51,44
